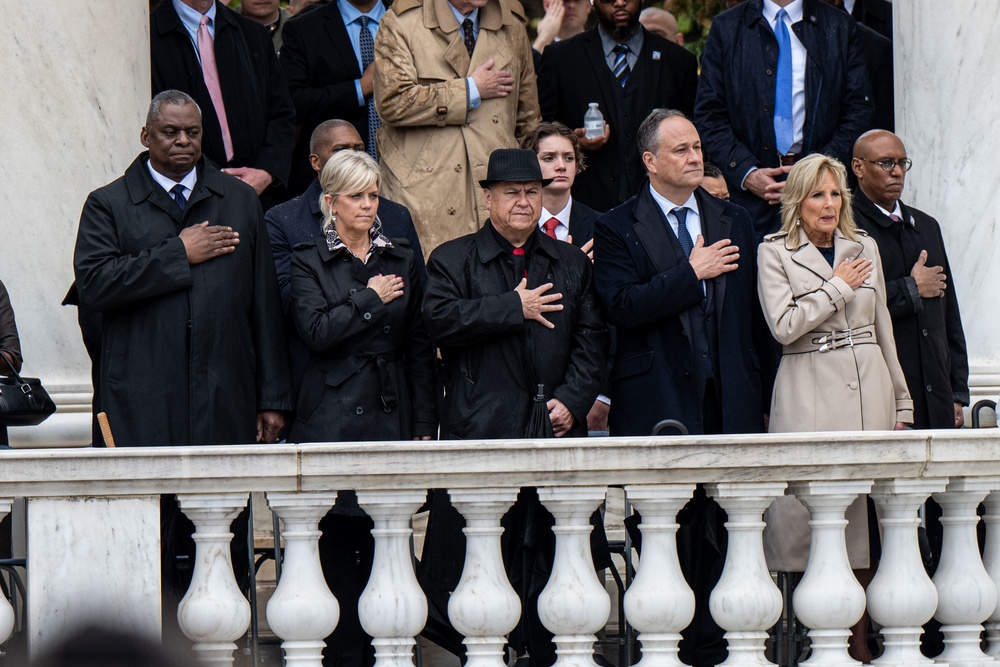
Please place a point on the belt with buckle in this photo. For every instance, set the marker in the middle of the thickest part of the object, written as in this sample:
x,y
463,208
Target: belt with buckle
x,y
826,341
788,159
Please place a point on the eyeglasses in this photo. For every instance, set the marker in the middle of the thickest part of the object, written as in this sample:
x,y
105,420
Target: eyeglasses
x,y
888,164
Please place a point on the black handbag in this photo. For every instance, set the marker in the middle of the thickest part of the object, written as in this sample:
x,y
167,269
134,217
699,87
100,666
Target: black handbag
x,y
23,401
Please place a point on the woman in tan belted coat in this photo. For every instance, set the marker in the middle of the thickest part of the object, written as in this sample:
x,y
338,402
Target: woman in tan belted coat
x,y
823,294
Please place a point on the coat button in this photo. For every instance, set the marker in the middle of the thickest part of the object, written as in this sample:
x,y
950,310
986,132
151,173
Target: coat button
x,y
458,168
430,169
853,385
929,389
352,290
359,410
767,108
385,329
769,71
732,165
366,316
767,147
924,332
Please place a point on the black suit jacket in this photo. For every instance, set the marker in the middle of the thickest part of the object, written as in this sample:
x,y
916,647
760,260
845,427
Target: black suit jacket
x,y
878,54
574,73
735,109
581,223
260,113
930,341
647,287
321,67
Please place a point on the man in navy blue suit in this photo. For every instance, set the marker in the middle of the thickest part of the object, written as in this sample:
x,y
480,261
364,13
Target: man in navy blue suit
x,y
676,271
299,220
779,79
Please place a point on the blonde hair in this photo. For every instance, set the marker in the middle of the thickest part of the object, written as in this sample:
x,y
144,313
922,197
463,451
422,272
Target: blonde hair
x,y
804,177
345,173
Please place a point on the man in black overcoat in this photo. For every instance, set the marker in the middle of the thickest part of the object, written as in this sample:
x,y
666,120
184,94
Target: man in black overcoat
x,y
175,258
736,106
926,321
676,272
577,71
255,101
511,309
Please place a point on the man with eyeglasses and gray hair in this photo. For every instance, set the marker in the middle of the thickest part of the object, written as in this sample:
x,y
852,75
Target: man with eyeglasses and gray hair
x,y
926,321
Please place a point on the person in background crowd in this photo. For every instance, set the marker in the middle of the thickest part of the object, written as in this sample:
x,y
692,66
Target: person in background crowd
x,y
663,23
10,344
714,182
269,14
370,376
514,313
228,65
328,60
563,19
629,72
670,268
823,292
779,79
296,7
300,220
454,81
175,257
561,159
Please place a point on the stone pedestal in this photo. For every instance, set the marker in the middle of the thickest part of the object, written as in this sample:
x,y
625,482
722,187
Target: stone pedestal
x,y
93,560
74,98
947,86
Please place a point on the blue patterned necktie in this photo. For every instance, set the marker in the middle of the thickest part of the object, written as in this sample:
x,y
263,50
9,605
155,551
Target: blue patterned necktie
x,y
621,69
784,132
177,192
683,235
367,57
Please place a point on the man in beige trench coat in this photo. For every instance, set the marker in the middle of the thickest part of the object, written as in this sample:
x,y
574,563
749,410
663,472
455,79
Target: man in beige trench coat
x,y
454,81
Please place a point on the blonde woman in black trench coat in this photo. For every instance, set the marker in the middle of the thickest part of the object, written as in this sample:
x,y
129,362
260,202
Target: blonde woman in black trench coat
x,y
370,376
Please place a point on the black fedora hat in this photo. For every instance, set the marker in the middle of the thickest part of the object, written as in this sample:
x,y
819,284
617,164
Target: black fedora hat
x,y
513,165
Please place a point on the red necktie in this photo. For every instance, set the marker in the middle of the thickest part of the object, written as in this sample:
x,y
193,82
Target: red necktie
x,y
519,265
550,227
210,72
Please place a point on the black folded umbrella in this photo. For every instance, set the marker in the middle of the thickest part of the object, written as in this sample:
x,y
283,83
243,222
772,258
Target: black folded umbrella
x,y
539,425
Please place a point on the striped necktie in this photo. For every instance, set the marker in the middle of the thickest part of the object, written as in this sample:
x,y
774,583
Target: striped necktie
x,y
621,69
367,57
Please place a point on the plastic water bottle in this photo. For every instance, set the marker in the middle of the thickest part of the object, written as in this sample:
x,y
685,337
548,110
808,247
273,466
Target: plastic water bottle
x,y
593,122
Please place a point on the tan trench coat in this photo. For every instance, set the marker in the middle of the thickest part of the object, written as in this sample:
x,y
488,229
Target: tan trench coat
x,y
858,387
434,150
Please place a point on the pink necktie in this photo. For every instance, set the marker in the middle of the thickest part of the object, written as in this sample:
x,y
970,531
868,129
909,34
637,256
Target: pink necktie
x,y
550,227
210,72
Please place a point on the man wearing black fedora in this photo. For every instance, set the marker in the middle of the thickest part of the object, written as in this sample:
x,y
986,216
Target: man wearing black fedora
x,y
514,313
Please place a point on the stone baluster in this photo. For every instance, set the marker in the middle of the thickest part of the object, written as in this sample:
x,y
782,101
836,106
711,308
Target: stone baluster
x,y
6,611
659,603
991,560
901,597
745,602
213,612
484,606
574,605
392,608
302,610
967,595
828,599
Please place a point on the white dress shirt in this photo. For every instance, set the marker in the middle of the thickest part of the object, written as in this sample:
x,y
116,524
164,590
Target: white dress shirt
x,y
167,183
693,216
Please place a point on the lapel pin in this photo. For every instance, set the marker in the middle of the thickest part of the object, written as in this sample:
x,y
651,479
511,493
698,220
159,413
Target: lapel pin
x,y
656,55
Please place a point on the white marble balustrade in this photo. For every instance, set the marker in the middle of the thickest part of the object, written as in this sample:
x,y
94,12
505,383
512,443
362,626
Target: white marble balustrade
x,y
743,473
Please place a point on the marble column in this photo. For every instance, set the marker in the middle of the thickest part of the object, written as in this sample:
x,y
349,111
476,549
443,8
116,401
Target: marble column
x,y
967,595
75,93
93,560
302,610
947,91
659,603
745,603
6,611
